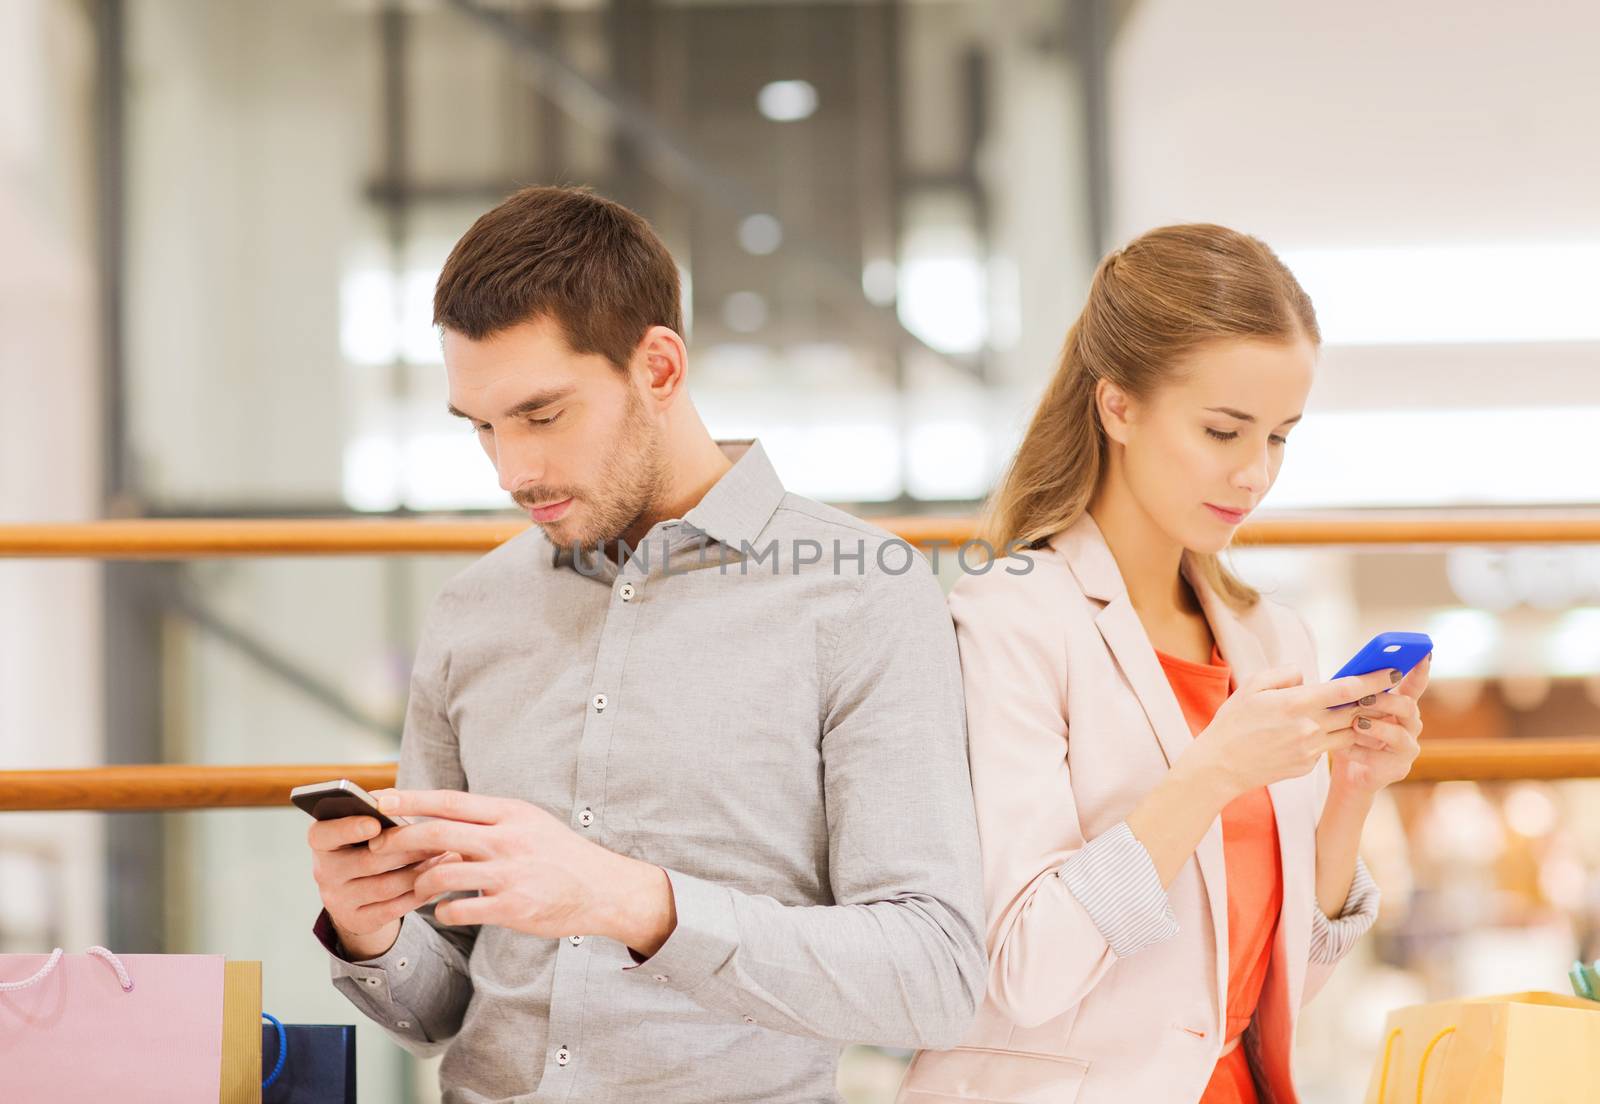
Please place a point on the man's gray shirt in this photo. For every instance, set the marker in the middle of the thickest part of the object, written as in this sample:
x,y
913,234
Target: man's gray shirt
x,y
764,700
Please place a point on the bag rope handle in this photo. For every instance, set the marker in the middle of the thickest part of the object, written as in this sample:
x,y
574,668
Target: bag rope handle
x,y
55,958
283,1050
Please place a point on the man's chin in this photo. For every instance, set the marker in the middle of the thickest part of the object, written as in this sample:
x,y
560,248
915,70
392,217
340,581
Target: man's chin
x,y
561,533
570,532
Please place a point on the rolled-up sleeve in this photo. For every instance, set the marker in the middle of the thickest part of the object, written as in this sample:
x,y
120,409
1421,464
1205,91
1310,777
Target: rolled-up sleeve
x,y
1332,937
1114,879
897,959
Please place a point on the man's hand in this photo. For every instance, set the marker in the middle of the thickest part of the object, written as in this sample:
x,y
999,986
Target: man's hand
x,y
534,874
366,893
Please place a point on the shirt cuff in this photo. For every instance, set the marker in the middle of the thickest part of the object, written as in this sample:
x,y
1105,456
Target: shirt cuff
x,y
1113,878
706,935
1332,938
397,959
382,987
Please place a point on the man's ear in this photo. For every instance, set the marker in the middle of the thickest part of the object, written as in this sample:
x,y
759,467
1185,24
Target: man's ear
x,y
1115,407
663,361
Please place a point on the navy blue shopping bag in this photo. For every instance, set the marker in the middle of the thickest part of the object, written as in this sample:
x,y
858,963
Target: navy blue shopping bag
x,y
318,1064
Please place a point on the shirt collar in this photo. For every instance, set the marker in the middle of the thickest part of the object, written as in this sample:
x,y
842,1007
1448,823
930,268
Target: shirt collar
x,y
738,506
733,512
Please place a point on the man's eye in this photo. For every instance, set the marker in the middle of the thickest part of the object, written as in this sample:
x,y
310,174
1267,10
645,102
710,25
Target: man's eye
x,y
485,428
546,421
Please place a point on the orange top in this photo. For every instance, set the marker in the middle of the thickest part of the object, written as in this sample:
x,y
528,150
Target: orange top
x,y
1255,879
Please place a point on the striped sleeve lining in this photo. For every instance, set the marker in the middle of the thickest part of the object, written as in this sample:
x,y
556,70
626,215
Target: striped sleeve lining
x,y
1115,881
1332,938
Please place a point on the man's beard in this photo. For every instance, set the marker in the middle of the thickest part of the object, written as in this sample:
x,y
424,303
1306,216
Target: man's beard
x,y
632,481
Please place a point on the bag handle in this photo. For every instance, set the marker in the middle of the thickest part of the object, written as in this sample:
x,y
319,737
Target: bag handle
x,y
283,1050
1427,1052
1422,1066
1383,1075
55,958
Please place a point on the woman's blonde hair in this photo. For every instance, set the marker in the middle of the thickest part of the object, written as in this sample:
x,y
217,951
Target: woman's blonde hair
x,y
1159,297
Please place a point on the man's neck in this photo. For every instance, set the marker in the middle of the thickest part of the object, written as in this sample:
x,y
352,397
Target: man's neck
x,y
693,470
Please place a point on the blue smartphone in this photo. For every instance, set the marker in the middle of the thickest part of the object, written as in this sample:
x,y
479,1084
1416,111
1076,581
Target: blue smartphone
x,y
1400,650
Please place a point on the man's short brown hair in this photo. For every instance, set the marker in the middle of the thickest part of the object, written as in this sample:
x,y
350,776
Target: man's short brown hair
x,y
592,266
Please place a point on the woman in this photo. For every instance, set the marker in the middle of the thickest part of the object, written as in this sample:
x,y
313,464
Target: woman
x,y
1169,854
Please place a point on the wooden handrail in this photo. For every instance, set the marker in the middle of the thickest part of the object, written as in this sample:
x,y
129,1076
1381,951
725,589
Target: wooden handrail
x,y
173,787
173,539
203,787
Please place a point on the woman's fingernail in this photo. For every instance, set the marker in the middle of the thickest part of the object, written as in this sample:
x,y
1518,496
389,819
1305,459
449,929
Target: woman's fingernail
x,y
1370,699
1362,722
1394,676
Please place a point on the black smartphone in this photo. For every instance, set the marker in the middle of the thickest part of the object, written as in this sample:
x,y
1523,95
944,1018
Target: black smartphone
x,y
341,798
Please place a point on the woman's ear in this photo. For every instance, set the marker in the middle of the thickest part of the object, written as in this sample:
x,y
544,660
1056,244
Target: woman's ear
x,y
1115,408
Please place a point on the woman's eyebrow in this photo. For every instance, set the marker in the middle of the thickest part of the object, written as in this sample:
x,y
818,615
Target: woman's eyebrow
x,y
1243,417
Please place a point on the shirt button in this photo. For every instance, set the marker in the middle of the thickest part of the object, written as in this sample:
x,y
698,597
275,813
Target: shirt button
x,y
374,981
577,941
562,1056
661,977
401,964
586,818
750,1019
403,1023
599,703
626,592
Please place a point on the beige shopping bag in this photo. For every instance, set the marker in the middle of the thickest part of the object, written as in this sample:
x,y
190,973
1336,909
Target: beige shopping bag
x,y
241,1033
1516,1048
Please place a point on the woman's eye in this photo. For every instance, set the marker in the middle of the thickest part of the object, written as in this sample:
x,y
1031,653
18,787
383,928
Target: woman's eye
x,y
1231,435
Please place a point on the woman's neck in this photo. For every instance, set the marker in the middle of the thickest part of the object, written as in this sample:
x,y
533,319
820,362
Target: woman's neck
x,y
1149,560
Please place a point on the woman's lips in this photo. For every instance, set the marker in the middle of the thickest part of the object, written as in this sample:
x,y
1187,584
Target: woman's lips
x,y
1232,517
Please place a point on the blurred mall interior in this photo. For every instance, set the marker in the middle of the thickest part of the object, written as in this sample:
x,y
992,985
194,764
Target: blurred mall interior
x,y
221,220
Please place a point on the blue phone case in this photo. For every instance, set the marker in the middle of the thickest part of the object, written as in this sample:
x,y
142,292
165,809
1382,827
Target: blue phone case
x,y
1400,650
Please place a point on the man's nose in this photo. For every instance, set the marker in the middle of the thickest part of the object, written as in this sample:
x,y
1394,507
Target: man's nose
x,y
518,463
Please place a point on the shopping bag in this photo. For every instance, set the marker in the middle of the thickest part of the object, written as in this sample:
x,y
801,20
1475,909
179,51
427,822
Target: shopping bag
x,y
1516,1048
135,1029
241,1038
319,1064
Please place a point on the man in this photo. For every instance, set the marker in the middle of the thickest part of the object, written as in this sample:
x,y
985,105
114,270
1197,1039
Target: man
x,y
693,748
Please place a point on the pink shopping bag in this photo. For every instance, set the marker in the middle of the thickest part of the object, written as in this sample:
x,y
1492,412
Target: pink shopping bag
x,y
99,1028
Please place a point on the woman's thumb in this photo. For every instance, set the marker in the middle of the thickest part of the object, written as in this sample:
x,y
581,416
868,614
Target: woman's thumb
x,y
1277,678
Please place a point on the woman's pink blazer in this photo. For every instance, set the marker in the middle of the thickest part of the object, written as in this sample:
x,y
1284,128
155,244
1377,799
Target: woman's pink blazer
x,y
1071,722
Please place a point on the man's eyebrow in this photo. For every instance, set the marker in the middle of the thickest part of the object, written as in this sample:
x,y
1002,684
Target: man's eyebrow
x,y
1243,417
535,401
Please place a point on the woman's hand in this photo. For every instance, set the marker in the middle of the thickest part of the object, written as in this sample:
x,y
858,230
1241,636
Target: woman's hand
x,y
1274,727
1387,728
